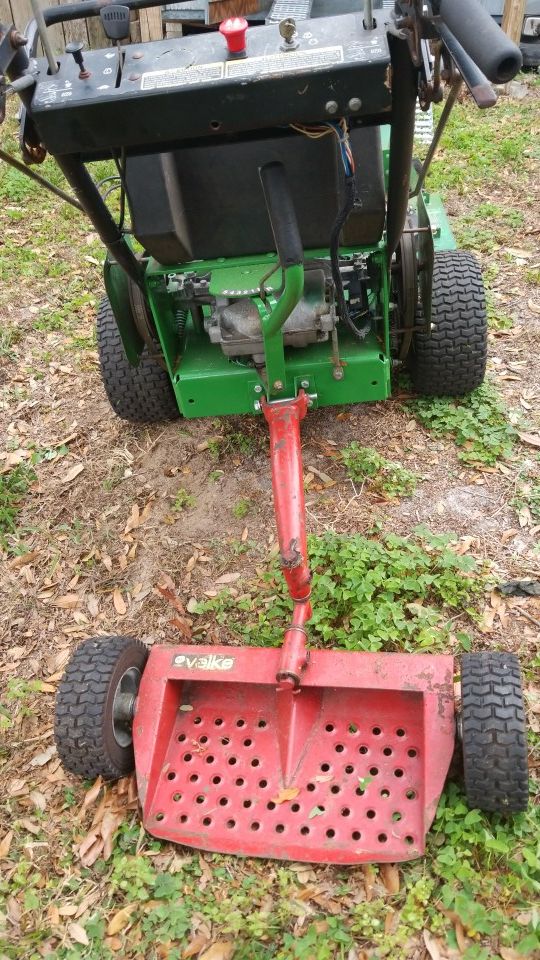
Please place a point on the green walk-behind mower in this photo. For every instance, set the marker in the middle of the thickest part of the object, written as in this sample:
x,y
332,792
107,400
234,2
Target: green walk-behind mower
x,y
282,255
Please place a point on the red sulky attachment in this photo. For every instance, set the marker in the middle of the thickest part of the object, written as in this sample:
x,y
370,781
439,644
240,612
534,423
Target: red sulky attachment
x,y
329,757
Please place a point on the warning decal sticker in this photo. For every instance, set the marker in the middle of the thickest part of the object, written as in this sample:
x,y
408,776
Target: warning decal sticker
x,y
293,61
182,76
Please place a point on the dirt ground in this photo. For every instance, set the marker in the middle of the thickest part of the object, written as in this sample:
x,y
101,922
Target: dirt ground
x,y
101,526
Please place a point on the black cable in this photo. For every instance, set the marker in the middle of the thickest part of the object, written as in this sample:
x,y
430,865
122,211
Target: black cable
x,y
342,217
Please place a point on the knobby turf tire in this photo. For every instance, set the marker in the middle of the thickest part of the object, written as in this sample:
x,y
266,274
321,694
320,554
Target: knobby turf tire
x,y
83,727
450,361
142,394
494,737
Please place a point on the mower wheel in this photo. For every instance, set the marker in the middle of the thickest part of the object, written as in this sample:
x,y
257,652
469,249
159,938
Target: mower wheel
x,y
94,706
142,394
494,738
450,359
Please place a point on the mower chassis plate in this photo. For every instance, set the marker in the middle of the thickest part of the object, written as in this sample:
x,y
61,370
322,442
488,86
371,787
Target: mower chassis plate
x,y
347,769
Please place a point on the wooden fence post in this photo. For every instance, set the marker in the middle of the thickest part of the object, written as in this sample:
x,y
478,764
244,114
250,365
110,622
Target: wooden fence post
x,y
512,21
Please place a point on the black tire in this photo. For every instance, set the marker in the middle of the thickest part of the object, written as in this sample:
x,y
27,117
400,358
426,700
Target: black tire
x,y
494,736
89,743
450,360
142,394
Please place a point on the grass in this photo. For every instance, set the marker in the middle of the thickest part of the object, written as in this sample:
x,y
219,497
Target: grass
x,y
365,465
478,424
479,149
14,485
391,593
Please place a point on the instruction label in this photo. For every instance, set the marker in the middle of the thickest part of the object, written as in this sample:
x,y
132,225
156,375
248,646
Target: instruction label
x,y
182,76
293,61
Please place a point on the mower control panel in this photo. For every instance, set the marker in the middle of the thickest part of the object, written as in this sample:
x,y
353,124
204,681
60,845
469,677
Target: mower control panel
x,y
151,96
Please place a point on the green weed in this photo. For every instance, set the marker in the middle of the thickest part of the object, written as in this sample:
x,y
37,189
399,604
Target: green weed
x,y
527,495
392,593
477,423
183,500
14,486
366,465
241,508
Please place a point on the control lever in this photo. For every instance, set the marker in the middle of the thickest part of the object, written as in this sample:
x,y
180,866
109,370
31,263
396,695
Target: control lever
x,y
75,48
115,22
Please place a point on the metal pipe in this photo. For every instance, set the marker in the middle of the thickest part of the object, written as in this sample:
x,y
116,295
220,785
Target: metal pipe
x,y
368,15
289,299
89,196
89,8
42,30
17,165
451,99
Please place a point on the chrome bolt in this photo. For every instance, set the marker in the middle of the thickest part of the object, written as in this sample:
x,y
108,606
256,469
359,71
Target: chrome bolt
x,y
332,107
258,388
305,384
278,385
354,104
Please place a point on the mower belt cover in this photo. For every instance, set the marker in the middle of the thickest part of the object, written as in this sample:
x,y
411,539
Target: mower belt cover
x,y
346,768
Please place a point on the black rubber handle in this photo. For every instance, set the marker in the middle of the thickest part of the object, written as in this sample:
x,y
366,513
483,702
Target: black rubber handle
x,y
492,51
280,206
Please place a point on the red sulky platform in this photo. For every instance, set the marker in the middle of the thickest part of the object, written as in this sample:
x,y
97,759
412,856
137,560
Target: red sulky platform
x,y
346,768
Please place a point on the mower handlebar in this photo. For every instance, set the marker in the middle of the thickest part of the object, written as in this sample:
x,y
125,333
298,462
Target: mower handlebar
x,y
283,220
484,41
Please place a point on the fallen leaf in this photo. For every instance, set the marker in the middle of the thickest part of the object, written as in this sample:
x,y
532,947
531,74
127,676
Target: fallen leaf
x,y
228,578
507,953
167,591
78,934
390,877
432,946
119,602
39,800
195,946
91,795
70,601
532,439
23,559
120,919
5,844
41,759
134,519
220,950
288,793
75,470
509,535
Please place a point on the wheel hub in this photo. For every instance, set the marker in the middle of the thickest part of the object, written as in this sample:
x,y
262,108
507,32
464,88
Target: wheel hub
x,y
123,705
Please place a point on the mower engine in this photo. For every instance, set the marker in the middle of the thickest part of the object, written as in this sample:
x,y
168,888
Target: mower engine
x,y
235,322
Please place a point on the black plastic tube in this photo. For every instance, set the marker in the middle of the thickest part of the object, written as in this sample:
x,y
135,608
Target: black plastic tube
x,y
90,8
492,51
283,219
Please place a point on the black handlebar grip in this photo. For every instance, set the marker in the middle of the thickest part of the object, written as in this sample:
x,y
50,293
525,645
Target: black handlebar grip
x,y
496,55
280,206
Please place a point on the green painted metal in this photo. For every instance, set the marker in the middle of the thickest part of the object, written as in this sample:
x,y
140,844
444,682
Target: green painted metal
x,y
117,287
272,325
207,383
443,237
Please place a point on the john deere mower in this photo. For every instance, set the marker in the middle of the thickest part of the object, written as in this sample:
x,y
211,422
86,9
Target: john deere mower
x,y
273,250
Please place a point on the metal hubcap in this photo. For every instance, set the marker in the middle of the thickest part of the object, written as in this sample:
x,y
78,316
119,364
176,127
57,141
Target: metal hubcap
x,y
123,704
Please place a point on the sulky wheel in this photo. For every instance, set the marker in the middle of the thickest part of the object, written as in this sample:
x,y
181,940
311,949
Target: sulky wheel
x,y
494,739
450,359
142,394
94,707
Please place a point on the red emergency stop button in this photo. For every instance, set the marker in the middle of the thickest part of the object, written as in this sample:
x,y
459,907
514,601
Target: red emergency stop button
x,y
234,31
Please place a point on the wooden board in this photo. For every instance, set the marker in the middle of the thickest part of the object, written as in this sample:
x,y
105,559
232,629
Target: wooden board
x,y
151,24
512,22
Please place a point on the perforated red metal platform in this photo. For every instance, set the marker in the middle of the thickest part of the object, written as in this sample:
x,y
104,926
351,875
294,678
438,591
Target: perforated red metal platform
x,y
362,754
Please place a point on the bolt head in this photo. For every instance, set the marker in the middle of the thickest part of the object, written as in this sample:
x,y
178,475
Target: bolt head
x,y
278,385
258,388
332,107
338,373
305,384
354,104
